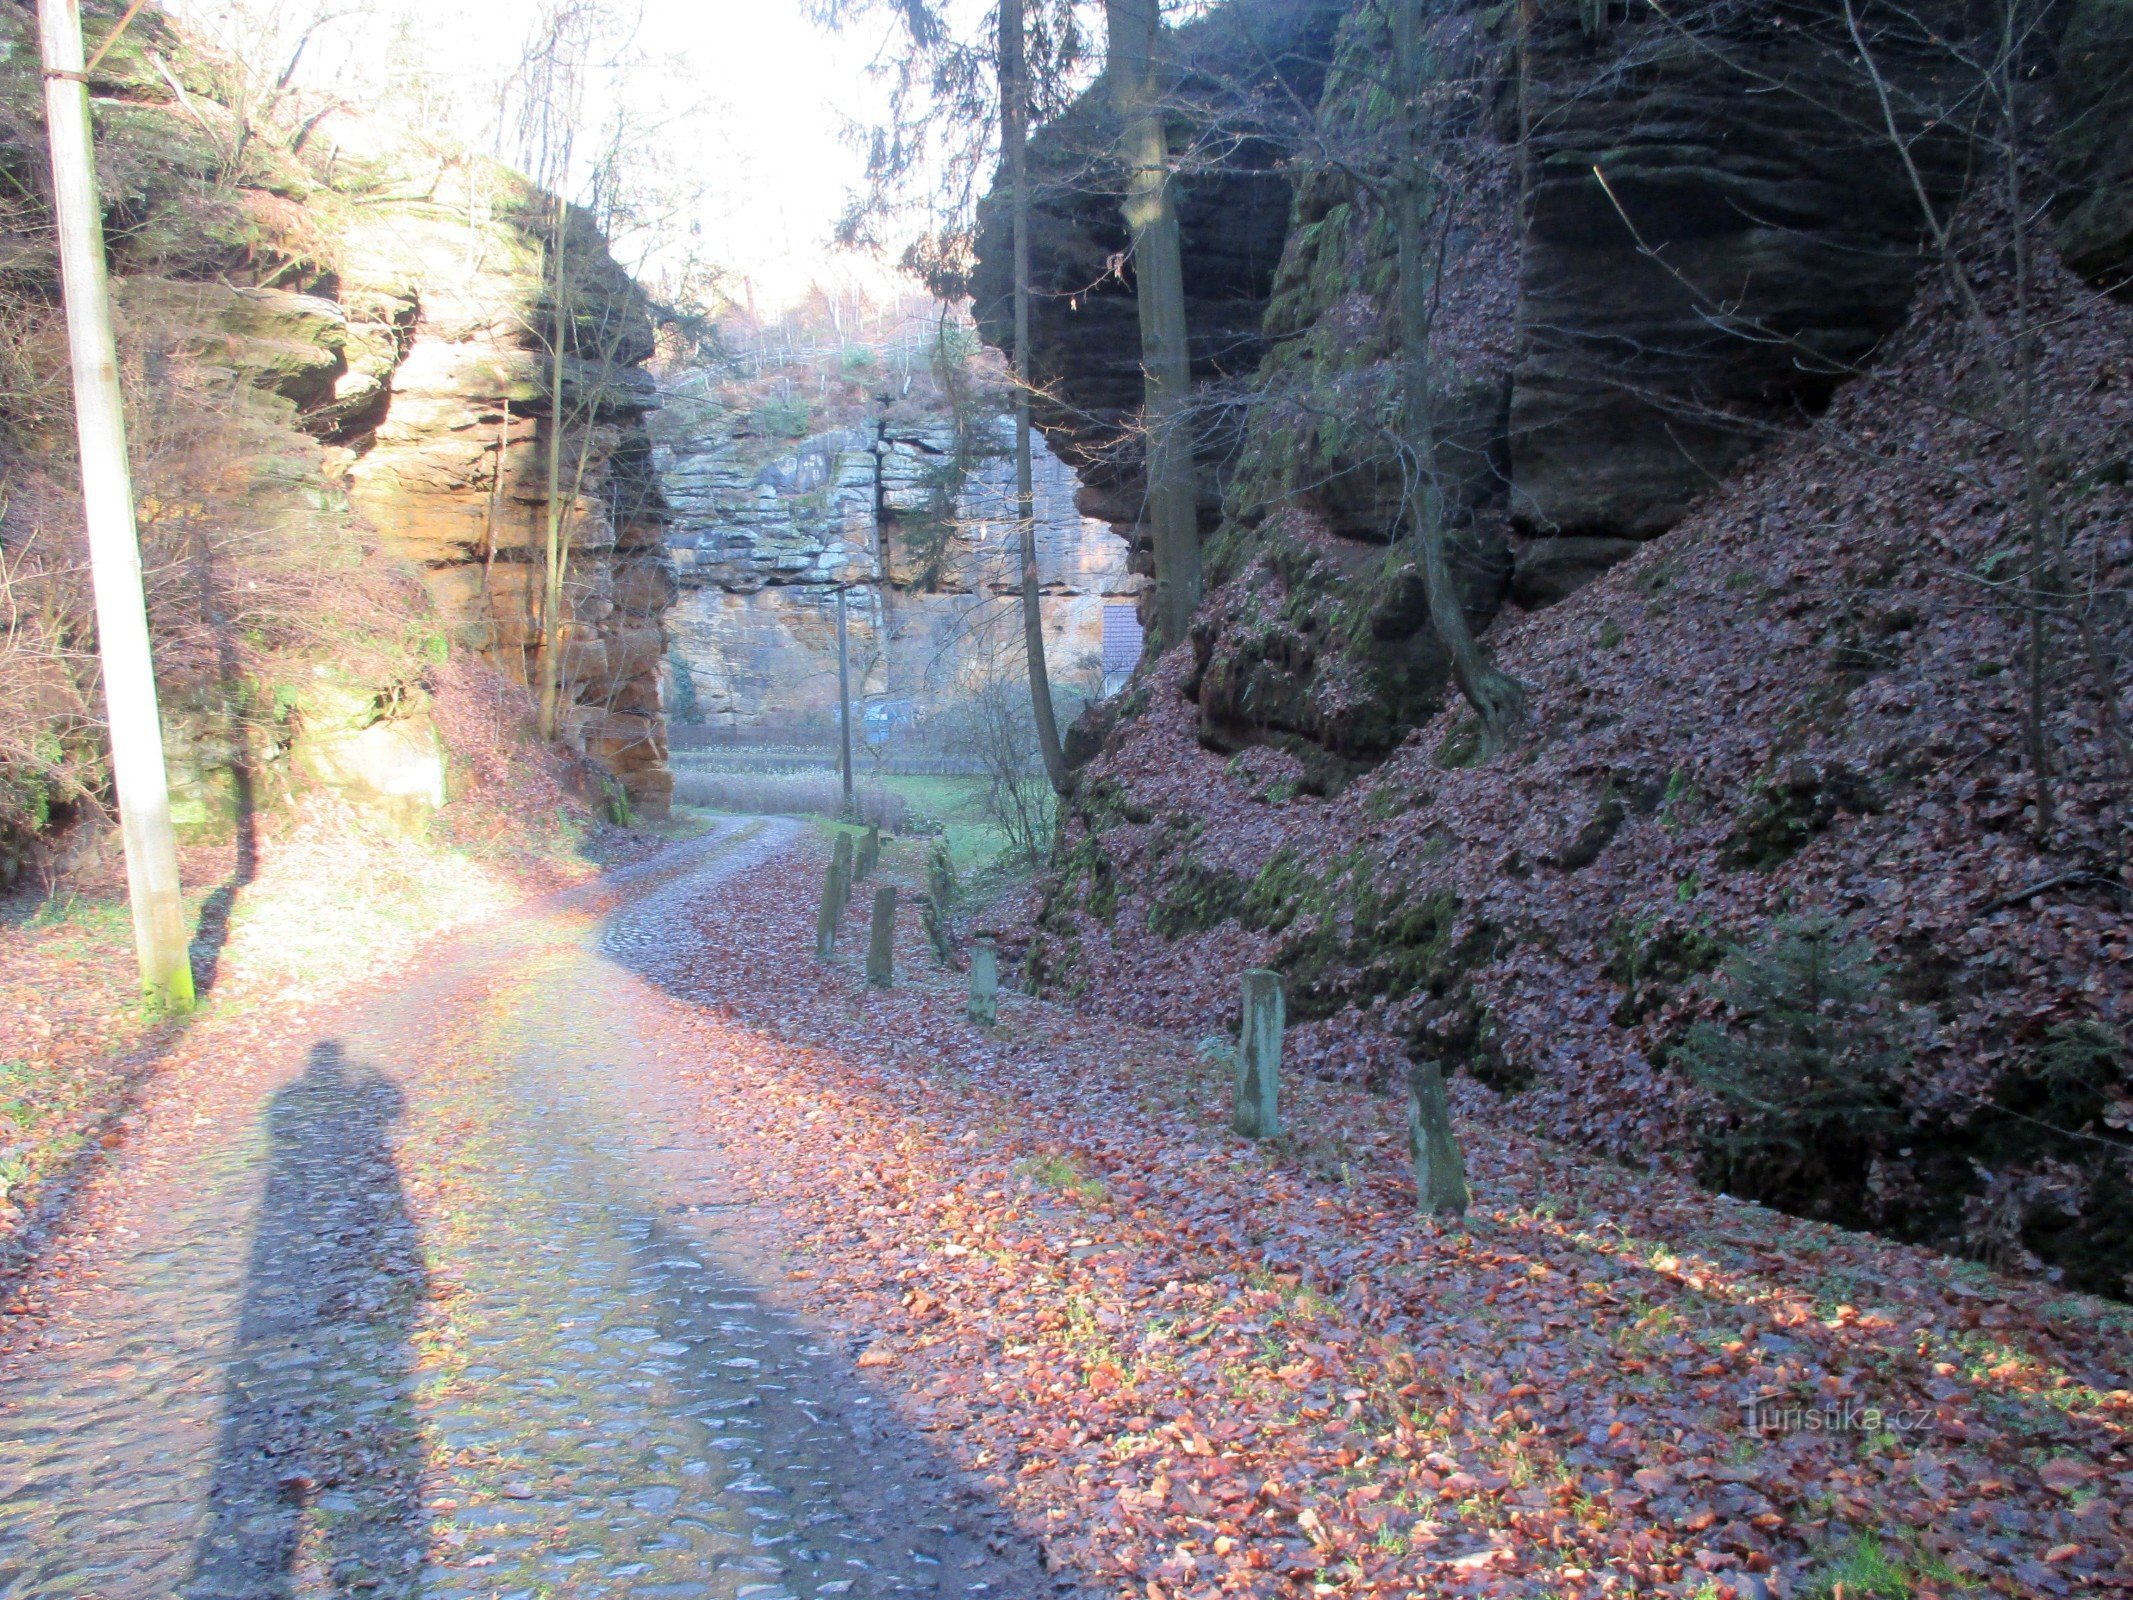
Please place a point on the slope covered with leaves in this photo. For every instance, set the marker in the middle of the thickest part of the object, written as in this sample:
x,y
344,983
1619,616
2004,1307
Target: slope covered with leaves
x,y
1795,721
1200,1366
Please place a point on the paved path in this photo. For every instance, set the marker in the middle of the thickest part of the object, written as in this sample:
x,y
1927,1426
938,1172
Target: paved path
x,y
443,1304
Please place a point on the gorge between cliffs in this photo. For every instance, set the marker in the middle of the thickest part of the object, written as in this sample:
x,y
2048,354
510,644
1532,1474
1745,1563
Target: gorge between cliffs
x,y
1294,799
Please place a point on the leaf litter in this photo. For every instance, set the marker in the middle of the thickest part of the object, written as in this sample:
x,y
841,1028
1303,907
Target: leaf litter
x,y
1196,1366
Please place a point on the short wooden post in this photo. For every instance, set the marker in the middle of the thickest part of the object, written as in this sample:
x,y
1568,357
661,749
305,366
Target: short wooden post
x,y
938,908
869,852
1440,1170
841,865
1259,1056
881,954
984,981
834,893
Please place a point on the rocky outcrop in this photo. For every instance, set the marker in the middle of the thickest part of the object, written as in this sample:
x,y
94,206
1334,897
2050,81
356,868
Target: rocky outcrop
x,y
1786,727
357,332
914,523
446,427
1667,239
1253,63
1547,570
1718,232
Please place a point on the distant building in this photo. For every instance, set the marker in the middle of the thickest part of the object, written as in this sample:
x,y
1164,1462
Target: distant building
x,y
882,718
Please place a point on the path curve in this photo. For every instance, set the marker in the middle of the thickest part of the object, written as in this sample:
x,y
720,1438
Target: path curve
x,y
448,1299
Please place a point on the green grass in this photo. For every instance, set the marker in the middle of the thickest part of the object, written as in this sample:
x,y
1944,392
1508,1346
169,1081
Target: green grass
x,y
1866,1569
89,918
958,805
1059,1172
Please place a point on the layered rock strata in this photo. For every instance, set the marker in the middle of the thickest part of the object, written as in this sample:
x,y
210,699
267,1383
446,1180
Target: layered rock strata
x,y
446,406
1667,237
917,529
335,335
1245,71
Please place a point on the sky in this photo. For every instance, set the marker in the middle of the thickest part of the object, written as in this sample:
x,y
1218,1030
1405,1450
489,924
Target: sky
x,y
784,90
752,97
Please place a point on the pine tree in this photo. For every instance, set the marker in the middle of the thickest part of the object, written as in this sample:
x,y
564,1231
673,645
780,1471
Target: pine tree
x,y
1805,1069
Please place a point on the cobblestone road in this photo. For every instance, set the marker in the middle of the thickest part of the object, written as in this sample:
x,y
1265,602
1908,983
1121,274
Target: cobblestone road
x,y
444,1304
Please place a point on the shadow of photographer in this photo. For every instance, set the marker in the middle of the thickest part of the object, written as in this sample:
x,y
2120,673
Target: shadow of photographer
x,y
319,1463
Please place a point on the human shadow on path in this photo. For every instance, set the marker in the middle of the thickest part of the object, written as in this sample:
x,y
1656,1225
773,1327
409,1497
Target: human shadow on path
x,y
318,1470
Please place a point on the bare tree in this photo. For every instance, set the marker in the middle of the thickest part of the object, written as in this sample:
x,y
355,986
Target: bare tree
x,y
1414,193
583,150
1135,71
1014,138
992,728
937,134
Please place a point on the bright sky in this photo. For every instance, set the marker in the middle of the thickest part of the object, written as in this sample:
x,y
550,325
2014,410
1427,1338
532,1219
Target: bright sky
x,y
787,89
758,93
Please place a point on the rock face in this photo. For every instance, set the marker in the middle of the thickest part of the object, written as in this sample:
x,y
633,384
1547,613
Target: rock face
x,y
341,335
2093,144
920,533
1705,256
1667,239
446,410
1084,317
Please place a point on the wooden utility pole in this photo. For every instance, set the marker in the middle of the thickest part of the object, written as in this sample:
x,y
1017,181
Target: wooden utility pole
x,y
844,708
107,505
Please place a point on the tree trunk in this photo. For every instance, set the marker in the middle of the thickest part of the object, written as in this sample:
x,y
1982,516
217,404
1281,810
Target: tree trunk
x,y
1497,698
552,588
1014,140
114,542
844,710
1159,279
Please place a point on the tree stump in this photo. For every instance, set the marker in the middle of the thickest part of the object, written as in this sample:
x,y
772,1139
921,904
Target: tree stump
x,y
985,982
881,953
834,893
1259,1056
1440,1170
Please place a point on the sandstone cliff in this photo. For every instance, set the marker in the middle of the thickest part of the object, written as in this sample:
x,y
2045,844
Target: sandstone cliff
x,y
1654,265
332,342
913,517
446,436
1723,483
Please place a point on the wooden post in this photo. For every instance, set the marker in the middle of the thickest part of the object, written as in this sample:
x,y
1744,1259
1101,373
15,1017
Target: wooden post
x,y
938,908
841,864
985,981
881,954
1440,1170
834,893
869,852
137,766
1259,1056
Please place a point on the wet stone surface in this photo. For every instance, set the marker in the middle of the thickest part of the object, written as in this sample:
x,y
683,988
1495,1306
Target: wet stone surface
x,y
456,1311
